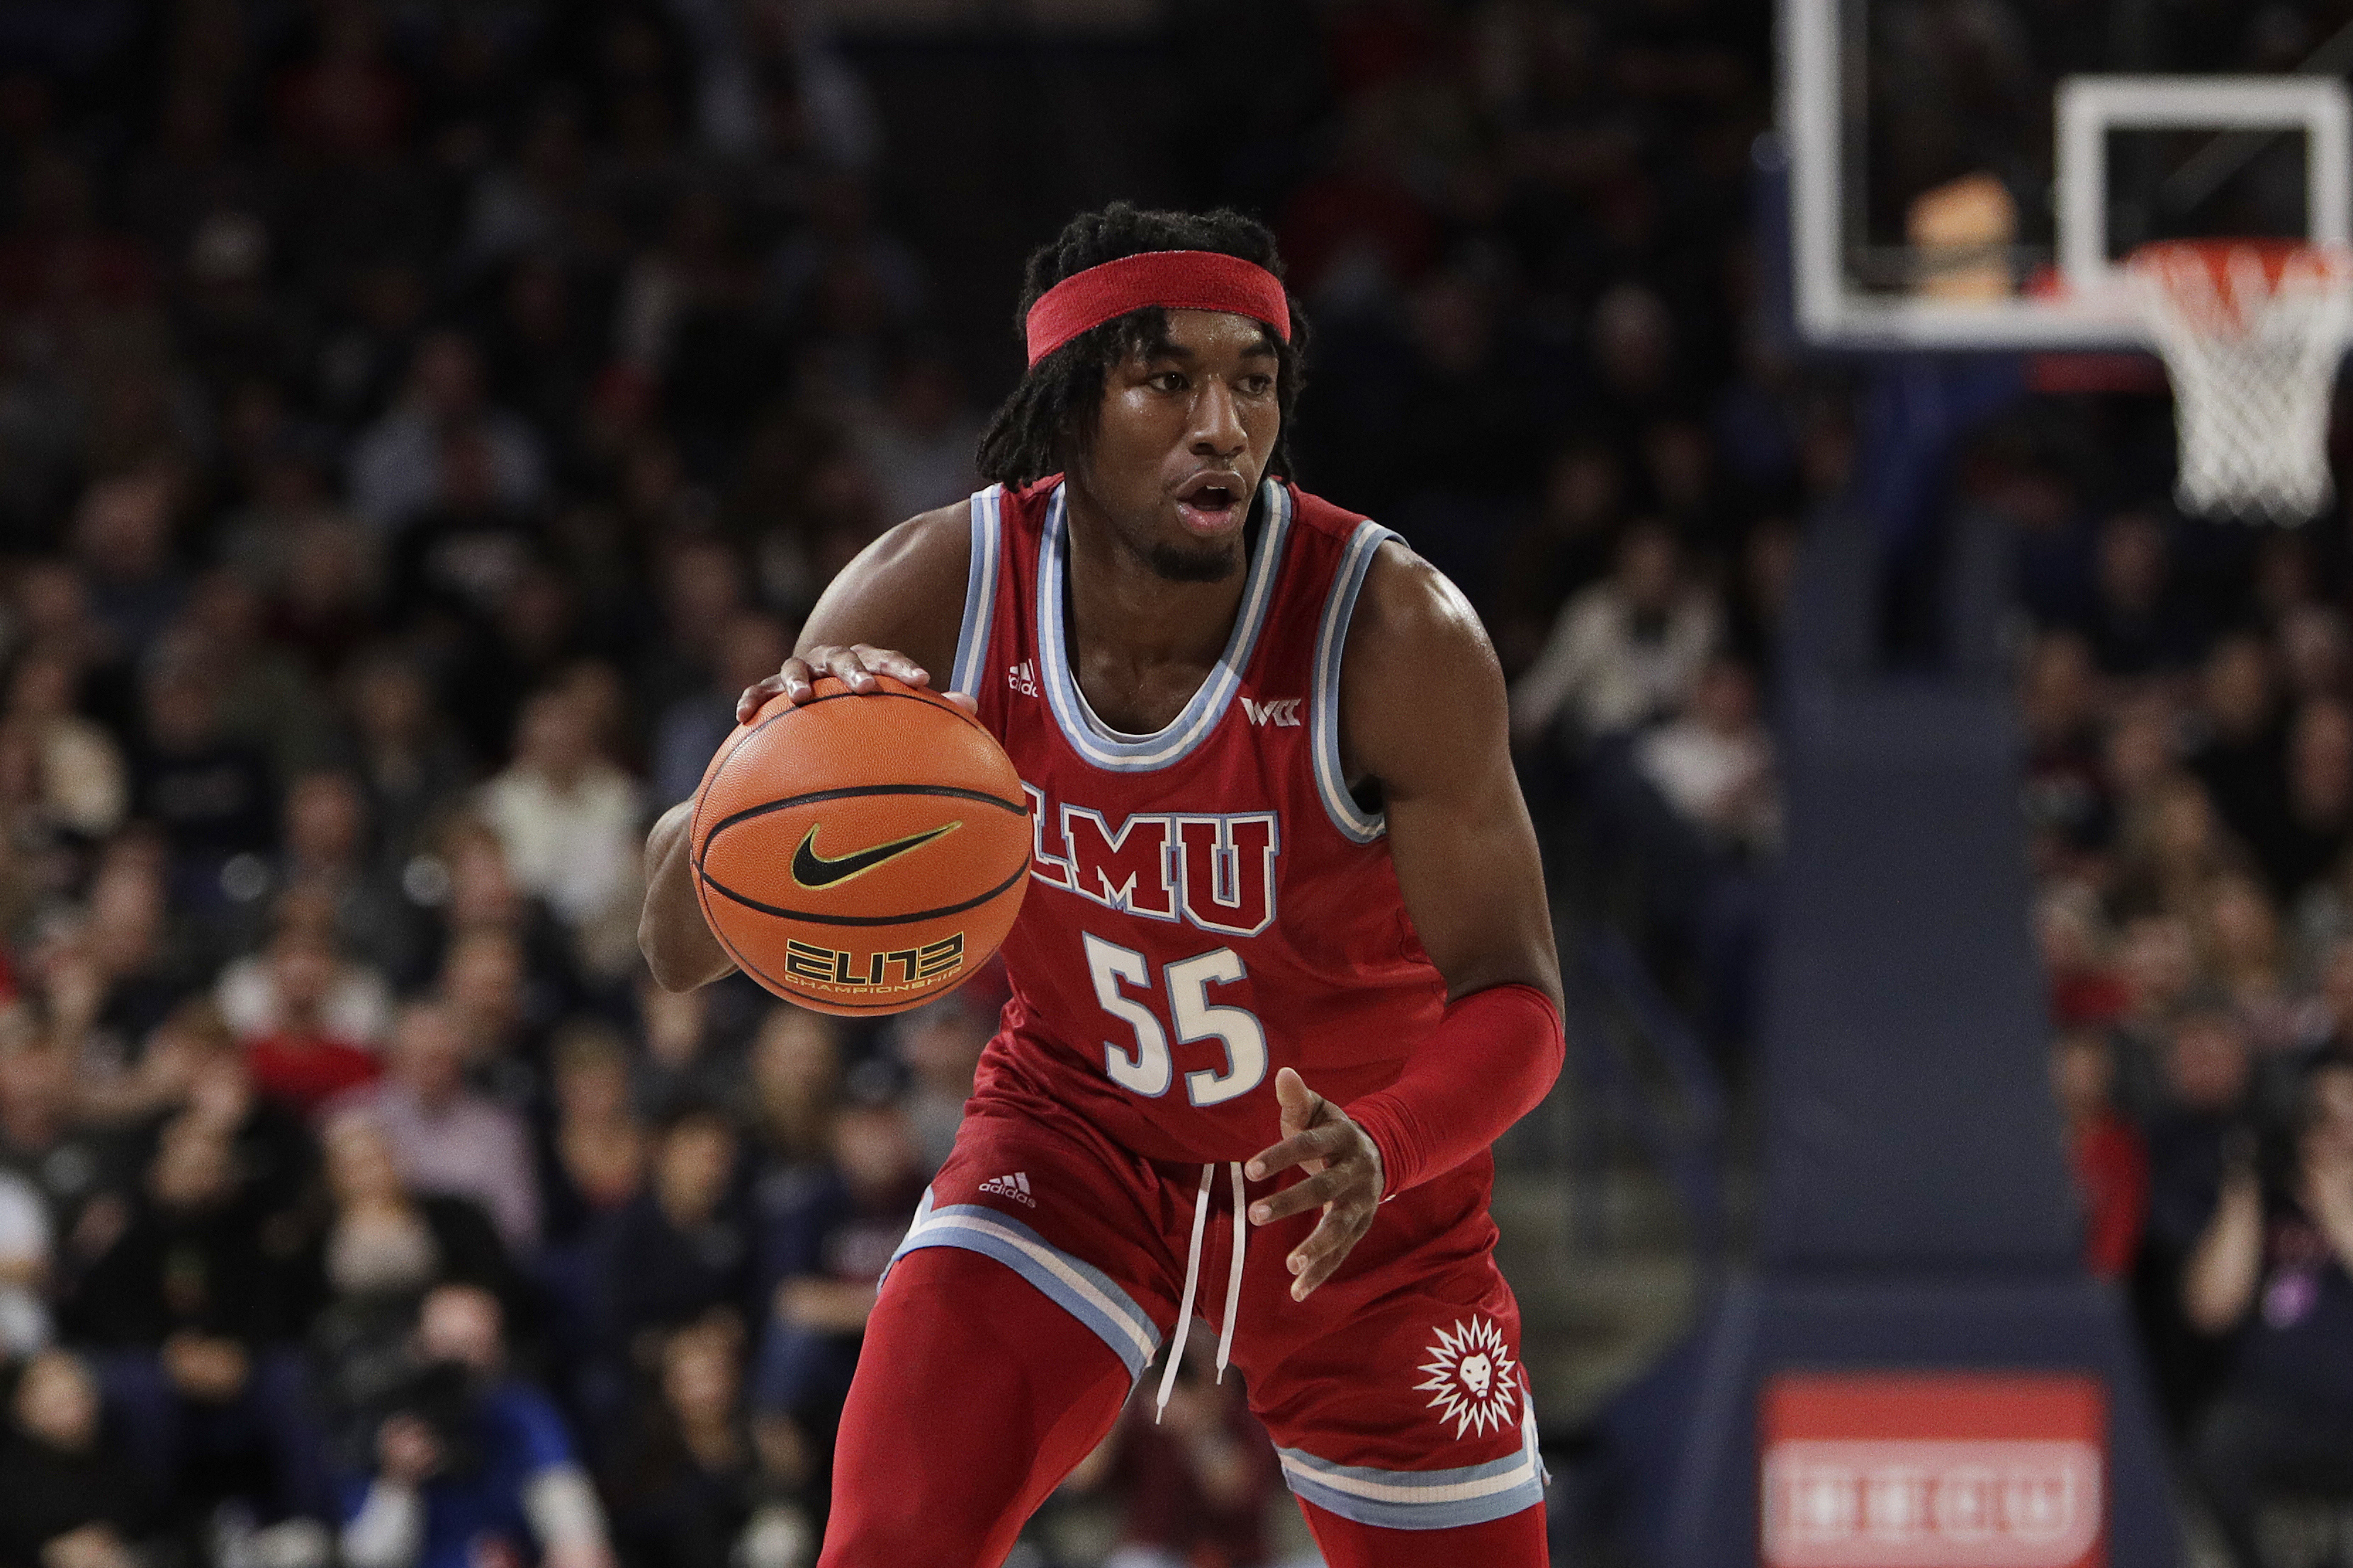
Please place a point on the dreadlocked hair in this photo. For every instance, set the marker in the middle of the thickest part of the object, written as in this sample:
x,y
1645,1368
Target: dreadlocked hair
x,y
1051,417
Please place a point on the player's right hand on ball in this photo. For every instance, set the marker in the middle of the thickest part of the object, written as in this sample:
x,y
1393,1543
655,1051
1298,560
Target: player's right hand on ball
x,y
855,667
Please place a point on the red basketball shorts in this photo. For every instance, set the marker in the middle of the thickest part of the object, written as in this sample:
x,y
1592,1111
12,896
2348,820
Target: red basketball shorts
x,y
1394,1393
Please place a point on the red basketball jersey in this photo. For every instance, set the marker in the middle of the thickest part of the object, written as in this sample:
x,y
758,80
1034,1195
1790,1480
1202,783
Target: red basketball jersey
x,y
1208,904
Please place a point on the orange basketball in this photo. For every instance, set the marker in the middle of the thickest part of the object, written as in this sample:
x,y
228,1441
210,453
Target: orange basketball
x,y
861,853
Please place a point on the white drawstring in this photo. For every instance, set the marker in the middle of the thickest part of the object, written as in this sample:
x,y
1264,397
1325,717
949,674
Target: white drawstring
x,y
1233,1275
1192,1284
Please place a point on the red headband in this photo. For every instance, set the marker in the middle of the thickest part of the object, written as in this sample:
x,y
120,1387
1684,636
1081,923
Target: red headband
x,y
1173,280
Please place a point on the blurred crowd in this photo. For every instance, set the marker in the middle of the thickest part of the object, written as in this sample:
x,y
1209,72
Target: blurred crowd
x,y
2190,788
417,421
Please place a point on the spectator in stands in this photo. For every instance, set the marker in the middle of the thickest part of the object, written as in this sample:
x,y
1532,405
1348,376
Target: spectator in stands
x,y
275,1156
683,1062
446,1138
823,1251
2105,1150
1713,764
796,1081
461,556
2157,962
920,442
940,1046
2137,752
2317,825
566,817
83,787
2086,989
2239,932
2275,1263
1561,552
407,763
680,1249
179,1308
208,792
693,726
357,1004
484,984
75,1168
2201,1126
267,698
493,1470
299,1062
2173,848
704,591
2241,756
1195,1484
396,466
593,1159
1625,651
323,848
2329,1021
69,1497
122,534
25,1268
110,982
387,1241
688,1481
2058,701
2140,622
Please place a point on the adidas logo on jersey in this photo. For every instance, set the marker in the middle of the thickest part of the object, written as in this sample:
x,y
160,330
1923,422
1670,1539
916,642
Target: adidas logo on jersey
x,y
1022,677
1015,1187
1282,712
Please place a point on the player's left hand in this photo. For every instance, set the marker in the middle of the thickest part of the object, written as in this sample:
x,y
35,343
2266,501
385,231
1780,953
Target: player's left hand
x,y
1344,1176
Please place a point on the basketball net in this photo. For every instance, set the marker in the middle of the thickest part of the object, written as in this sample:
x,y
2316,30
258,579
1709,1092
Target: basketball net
x,y
2252,332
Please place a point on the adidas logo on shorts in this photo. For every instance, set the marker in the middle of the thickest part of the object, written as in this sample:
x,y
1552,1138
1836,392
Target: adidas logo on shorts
x,y
1015,1187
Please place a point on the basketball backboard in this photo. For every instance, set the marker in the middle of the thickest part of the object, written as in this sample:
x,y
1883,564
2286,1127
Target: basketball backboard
x,y
1966,173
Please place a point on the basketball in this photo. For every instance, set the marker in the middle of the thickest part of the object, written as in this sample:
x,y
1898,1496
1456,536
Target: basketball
x,y
861,853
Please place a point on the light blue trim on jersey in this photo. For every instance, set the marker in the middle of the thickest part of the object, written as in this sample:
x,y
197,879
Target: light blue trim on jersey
x,y
979,590
1098,743
1085,1292
1331,639
1423,1499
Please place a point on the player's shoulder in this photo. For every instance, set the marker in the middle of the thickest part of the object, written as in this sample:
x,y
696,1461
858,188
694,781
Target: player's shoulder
x,y
906,591
1410,620
1413,636
922,558
937,542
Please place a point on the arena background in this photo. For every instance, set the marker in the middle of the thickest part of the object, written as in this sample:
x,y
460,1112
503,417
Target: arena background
x,y
418,418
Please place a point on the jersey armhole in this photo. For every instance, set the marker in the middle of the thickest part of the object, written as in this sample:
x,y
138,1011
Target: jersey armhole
x,y
979,591
1331,641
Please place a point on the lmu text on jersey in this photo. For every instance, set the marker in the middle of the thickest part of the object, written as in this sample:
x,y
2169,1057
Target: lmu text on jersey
x,y
1210,869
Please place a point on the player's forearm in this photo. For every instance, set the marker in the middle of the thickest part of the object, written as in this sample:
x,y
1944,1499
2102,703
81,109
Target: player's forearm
x,y
1490,1061
671,932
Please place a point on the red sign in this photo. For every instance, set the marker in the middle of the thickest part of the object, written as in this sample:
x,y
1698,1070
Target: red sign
x,y
1933,1470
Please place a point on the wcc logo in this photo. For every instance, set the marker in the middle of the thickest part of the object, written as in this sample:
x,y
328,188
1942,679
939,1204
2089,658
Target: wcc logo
x,y
1282,712
1215,872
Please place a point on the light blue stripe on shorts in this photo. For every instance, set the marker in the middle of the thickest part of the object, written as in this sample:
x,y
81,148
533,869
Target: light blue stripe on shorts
x,y
1085,1292
1423,1499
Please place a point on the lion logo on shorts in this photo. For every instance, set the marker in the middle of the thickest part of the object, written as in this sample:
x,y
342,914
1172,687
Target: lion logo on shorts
x,y
1471,1379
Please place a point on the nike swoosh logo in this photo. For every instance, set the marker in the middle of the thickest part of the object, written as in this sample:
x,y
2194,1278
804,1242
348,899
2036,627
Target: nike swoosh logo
x,y
811,869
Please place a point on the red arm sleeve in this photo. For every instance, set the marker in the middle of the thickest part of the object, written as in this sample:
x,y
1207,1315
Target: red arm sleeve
x,y
1488,1063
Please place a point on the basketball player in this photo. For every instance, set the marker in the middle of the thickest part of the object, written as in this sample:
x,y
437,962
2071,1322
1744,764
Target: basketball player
x,y
1283,972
